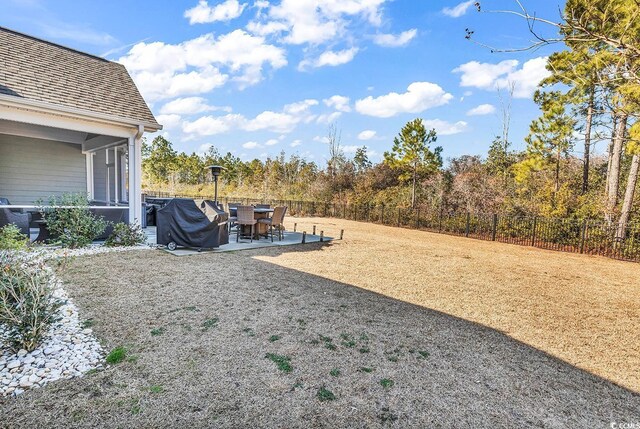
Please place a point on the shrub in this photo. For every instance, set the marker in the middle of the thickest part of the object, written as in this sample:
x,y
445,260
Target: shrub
x,y
73,226
27,303
12,239
126,235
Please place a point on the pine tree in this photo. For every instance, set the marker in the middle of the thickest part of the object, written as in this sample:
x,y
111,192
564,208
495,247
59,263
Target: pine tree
x,y
412,156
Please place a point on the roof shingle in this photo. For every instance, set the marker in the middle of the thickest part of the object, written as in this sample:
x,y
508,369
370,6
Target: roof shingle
x,y
42,71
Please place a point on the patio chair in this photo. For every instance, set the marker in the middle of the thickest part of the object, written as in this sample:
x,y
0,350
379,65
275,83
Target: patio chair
x,y
245,218
263,206
275,221
14,216
233,213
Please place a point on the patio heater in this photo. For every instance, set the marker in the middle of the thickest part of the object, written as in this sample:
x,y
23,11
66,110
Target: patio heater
x,y
215,172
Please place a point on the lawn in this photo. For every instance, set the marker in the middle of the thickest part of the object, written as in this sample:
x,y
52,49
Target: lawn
x,y
388,327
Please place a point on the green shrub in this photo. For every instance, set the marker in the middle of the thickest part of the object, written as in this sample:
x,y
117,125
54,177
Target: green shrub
x,y
27,303
126,235
12,239
74,225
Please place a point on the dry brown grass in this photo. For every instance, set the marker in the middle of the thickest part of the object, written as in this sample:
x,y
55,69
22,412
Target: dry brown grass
x,y
584,310
489,318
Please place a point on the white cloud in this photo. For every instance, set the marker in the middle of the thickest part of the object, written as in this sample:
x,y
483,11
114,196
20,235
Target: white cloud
x,y
272,121
420,96
314,21
296,143
350,148
328,118
169,121
501,75
393,40
209,125
321,139
338,102
271,142
445,128
278,122
301,107
189,106
366,135
483,109
251,145
200,65
459,9
329,58
203,13
204,148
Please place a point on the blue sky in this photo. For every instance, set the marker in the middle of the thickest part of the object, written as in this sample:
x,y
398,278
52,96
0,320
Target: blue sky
x,y
256,77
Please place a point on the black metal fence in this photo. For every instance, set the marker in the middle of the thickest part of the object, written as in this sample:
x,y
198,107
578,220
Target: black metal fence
x,y
590,237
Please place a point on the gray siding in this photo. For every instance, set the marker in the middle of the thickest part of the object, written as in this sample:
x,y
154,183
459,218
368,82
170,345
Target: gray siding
x,y
32,168
99,176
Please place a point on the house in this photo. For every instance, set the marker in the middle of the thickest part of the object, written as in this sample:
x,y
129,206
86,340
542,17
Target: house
x,y
69,122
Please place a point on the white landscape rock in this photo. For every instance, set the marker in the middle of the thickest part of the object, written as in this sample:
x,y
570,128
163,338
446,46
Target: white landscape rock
x,y
68,350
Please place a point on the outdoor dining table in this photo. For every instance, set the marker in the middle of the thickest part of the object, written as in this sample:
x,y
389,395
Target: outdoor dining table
x,y
261,213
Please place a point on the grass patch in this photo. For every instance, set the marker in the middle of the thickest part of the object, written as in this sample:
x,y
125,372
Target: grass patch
x,y
328,342
364,350
387,416
282,362
209,323
366,369
387,383
87,323
156,389
189,308
157,331
249,332
116,355
423,354
274,338
335,372
325,394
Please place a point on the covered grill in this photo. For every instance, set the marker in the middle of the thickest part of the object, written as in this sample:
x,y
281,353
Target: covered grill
x,y
182,223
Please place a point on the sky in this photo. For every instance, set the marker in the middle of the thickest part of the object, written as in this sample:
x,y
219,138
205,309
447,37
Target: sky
x,y
257,77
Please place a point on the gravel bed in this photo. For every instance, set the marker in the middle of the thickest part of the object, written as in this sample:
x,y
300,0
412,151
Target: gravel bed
x,y
69,349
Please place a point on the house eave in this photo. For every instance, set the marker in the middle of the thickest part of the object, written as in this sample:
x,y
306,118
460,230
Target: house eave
x,y
50,108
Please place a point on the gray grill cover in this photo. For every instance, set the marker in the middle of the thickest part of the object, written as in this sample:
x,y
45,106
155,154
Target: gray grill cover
x,y
184,223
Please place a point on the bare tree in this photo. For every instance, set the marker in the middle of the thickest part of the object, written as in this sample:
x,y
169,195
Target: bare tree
x,y
505,107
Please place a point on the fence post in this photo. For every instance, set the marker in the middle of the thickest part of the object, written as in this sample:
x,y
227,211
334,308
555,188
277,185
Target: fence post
x,y
533,233
494,227
314,230
466,230
341,233
304,237
585,225
295,226
344,210
321,236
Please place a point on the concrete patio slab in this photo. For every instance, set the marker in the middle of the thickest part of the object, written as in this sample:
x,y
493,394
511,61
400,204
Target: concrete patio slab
x,y
289,239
